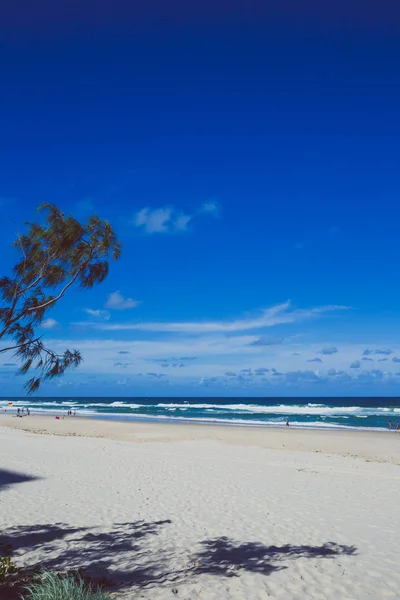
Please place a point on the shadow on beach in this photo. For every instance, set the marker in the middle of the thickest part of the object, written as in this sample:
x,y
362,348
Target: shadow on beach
x,y
118,558
225,557
8,478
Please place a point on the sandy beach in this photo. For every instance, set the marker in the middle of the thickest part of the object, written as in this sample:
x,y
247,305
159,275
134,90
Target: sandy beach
x,y
205,512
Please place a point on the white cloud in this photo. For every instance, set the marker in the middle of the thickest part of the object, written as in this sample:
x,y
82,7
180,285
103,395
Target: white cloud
x,y
49,324
230,358
302,376
98,314
117,301
181,223
159,220
261,371
328,350
211,207
169,219
276,315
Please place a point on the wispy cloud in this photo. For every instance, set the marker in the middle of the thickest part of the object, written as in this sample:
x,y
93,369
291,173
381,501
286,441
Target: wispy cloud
x,y
49,324
169,219
210,207
368,351
265,341
156,375
228,361
97,314
373,374
117,301
295,377
317,360
276,315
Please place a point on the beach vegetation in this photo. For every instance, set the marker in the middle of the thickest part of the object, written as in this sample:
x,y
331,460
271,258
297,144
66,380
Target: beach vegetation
x,y
55,255
55,586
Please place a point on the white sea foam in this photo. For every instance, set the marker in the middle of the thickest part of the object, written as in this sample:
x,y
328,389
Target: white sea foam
x,y
244,422
122,405
285,409
112,405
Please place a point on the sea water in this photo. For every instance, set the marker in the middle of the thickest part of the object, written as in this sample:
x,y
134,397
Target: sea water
x,y
334,413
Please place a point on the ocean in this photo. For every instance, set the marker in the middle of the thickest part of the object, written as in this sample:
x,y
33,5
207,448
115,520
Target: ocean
x,y
331,413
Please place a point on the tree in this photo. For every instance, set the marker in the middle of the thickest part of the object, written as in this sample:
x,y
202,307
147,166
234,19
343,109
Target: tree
x,y
54,256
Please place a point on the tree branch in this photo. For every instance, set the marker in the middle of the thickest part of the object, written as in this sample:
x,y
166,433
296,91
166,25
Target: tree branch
x,y
20,345
61,294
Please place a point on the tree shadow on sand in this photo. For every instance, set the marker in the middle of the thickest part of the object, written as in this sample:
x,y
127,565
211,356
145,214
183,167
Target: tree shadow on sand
x,y
123,557
28,537
224,557
118,557
115,558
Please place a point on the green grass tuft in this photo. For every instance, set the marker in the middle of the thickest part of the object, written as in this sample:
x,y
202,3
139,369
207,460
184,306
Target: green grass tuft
x,y
53,586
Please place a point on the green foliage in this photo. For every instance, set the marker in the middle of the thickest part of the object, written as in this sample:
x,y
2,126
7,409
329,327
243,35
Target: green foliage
x,y
53,257
7,568
53,586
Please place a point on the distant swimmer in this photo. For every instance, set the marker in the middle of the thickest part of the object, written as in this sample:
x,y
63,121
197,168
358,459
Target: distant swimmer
x,y
287,422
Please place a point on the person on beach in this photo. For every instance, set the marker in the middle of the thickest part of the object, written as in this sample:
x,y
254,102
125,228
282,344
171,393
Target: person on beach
x,y
390,425
287,422
18,412
397,426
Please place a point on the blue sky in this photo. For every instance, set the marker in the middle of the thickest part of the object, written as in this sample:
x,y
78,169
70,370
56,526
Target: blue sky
x,y
249,161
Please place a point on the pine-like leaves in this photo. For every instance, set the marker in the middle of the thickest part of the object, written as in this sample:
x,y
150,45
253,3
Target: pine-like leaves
x,y
54,256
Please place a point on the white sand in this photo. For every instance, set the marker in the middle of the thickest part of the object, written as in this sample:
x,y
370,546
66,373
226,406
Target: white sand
x,y
213,512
